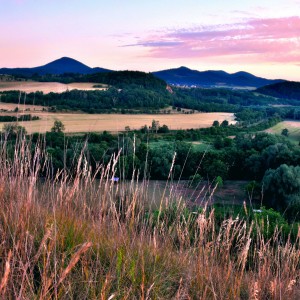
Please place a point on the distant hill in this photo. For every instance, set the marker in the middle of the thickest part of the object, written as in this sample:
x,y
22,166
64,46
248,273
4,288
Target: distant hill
x,y
57,67
186,77
284,90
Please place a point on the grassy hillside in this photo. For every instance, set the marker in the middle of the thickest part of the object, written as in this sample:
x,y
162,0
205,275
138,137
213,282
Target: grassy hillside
x,y
81,238
293,128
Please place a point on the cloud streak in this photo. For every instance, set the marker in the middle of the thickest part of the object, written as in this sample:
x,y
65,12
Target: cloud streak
x,y
257,40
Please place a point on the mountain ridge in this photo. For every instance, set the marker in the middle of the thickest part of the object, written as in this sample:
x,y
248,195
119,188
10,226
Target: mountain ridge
x,y
184,76
181,76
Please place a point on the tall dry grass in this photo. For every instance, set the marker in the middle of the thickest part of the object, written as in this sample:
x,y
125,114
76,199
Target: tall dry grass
x,y
78,237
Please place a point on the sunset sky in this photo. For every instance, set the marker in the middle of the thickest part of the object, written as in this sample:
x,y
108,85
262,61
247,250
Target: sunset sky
x,y
261,37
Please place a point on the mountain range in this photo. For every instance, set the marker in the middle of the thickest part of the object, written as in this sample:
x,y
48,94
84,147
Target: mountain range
x,y
181,76
187,77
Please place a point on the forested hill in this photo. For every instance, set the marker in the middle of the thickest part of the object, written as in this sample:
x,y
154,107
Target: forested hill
x,y
118,79
284,90
122,79
186,77
126,90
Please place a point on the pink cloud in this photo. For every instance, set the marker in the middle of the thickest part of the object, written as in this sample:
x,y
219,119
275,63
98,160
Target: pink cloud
x,y
268,40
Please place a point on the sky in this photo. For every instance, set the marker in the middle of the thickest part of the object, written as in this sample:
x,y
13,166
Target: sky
x,y
257,36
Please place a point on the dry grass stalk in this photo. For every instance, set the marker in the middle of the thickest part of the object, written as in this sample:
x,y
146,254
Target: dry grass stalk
x,y
5,277
173,255
74,260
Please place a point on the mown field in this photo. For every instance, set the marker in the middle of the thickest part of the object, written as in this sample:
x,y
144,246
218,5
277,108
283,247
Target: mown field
x,y
292,126
45,87
75,123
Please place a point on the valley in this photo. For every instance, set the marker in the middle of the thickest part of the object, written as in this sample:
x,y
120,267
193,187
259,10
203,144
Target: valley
x,y
149,150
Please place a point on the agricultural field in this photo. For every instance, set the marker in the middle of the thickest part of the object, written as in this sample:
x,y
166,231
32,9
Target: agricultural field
x,y
28,108
46,87
75,123
292,126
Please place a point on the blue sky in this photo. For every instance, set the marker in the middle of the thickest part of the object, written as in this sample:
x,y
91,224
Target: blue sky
x,y
262,37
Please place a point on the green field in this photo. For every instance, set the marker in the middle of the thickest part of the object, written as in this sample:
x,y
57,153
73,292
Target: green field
x,y
197,146
292,126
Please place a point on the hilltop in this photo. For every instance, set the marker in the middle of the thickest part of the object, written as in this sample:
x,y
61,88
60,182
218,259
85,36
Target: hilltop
x,y
56,67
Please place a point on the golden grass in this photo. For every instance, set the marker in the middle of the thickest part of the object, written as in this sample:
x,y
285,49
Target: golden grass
x,y
81,238
117,122
45,87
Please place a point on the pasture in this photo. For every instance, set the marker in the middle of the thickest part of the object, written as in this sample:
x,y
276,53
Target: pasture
x,y
46,87
75,123
292,126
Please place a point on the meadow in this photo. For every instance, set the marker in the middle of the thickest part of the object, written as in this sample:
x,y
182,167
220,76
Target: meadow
x,y
293,129
80,122
79,235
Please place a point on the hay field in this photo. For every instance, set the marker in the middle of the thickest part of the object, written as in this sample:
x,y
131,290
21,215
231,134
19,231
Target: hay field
x,y
22,107
292,126
75,123
46,87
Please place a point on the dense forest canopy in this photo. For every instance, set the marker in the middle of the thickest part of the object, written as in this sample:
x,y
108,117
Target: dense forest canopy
x,y
283,90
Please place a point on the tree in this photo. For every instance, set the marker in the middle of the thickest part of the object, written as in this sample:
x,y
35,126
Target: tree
x,y
225,123
163,129
216,123
217,168
253,189
219,182
195,180
58,126
155,126
218,143
13,129
144,129
282,187
285,132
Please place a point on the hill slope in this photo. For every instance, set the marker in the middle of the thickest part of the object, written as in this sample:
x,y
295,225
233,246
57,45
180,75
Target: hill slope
x,y
186,76
59,66
283,90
